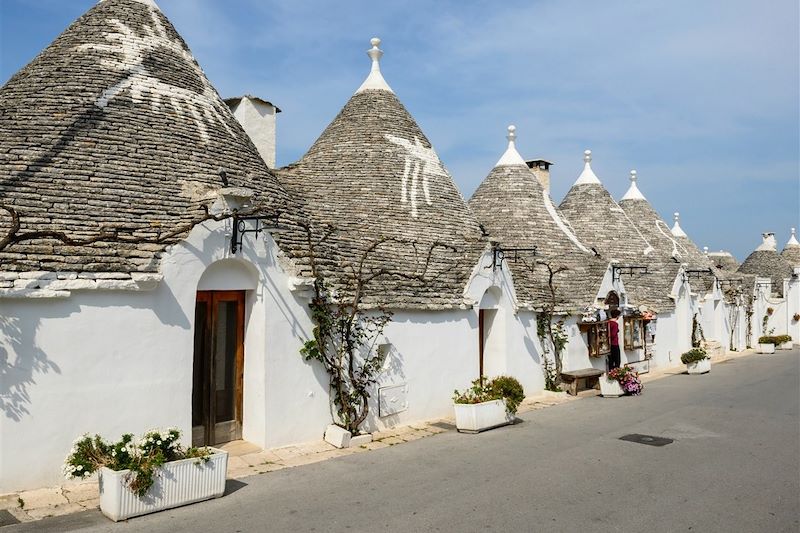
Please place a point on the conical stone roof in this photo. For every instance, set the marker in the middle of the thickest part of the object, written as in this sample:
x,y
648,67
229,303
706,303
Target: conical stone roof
x,y
791,252
669,248
373,175
115,127
724,261
603,224
766,262
517,212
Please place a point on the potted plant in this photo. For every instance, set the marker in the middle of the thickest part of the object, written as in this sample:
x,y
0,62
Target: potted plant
x,y
783,342
696,361
766,344
627,379
148,475
487,404
610,387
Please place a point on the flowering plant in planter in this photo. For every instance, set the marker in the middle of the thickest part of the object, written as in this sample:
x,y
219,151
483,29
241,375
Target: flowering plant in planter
x,y
628,379
796,317
142,457
500,388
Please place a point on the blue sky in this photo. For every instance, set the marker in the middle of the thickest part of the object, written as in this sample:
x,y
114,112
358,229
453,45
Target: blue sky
x,y
701,97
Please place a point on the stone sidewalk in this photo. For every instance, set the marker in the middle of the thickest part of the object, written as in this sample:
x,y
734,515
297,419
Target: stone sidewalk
x,y
246,459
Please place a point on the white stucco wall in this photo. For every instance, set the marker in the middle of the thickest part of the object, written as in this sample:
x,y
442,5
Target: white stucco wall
x,y
113,362
792,292
513,345
117,362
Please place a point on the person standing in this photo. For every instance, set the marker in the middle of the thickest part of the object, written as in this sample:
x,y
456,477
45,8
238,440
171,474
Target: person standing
x,y
613,340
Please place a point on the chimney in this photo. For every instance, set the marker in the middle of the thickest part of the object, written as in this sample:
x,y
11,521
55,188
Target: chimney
x,y
541,169
768,242
258,118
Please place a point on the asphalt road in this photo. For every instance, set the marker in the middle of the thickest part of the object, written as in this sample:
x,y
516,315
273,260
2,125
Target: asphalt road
x,y
734,466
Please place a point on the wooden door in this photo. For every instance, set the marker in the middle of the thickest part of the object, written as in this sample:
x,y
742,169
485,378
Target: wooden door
x,y
218,367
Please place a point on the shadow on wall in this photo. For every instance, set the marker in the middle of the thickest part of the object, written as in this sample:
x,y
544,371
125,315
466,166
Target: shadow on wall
x,y
392,374
17,376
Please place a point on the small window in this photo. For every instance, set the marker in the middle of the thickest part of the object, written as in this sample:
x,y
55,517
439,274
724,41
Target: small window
x,y
597,338
633,333
383,354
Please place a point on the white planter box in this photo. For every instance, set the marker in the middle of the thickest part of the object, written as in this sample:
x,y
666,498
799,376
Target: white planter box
x,y
699,367
177,483
477,417
766,348
785,345
610,387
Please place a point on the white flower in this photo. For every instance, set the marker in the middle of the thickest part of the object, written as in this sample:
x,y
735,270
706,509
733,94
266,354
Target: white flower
x,y
113,453
159,442
80,467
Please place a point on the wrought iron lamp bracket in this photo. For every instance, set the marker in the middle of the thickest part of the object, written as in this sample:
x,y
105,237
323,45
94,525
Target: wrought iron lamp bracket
x,y
241,228
629,270
499,253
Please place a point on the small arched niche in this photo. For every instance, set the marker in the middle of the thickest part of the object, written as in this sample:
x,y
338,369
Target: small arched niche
x,y
612,300
491,298
229,275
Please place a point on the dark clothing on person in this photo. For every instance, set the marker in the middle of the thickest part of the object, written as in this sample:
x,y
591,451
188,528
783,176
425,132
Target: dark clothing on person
x,y
614,357
613,338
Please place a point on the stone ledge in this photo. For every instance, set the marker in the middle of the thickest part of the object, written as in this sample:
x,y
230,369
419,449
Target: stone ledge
x,y
59,284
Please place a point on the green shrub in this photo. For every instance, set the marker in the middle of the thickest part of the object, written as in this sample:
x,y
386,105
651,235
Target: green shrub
x,y
780,339
510,389
693,355
499,388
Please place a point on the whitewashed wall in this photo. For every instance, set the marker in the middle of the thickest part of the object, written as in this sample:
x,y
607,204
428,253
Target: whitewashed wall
x,y
114,362
117,362
792,292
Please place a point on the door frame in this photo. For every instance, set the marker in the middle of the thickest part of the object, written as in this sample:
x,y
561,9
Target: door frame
x,y
209,400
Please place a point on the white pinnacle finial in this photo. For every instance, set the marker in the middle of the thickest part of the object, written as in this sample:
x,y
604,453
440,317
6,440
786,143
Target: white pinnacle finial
x,y
705,250
375,79
793,240
512,133
676,228
587,176
633,191
511,156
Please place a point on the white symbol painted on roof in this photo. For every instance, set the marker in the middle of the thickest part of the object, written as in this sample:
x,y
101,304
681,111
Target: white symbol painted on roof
x,y
129,52
419,162
676,253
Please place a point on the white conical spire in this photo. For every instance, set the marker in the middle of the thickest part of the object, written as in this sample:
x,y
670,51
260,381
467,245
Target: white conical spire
x,y
633,191
587,176
375,79
793,239
677,231
511,156
768,242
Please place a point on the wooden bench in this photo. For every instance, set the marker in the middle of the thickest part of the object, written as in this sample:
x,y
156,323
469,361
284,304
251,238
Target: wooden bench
x,y
589,378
